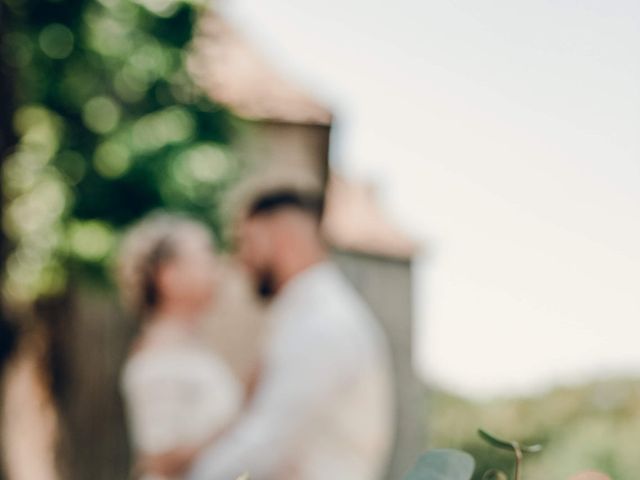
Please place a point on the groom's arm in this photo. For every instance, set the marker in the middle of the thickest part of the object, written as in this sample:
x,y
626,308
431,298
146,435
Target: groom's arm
x,y
302,373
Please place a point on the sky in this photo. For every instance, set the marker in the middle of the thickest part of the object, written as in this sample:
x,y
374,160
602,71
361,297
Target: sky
x,y
503,136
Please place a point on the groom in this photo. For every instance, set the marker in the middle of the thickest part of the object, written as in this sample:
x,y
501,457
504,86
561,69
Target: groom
x,y
323,406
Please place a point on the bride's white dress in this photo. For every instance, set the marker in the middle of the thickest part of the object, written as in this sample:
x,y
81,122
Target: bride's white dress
x,y
177,393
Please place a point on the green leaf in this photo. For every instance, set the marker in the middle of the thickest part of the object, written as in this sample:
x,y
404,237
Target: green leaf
x,y
495,441
506,445
443,464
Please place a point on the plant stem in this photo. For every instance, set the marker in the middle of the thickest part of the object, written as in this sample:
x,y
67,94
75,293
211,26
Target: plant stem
x,y
518,452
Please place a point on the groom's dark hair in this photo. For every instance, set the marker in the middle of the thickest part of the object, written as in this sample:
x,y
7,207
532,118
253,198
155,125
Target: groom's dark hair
x,y
273,201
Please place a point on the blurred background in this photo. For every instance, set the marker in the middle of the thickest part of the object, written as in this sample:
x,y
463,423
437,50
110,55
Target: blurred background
x,y
482,167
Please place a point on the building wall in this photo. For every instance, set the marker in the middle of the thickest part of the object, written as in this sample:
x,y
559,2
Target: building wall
x,y
386,284
285,147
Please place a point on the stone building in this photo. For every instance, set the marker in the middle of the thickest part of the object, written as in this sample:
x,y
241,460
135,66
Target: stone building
x,y
284,129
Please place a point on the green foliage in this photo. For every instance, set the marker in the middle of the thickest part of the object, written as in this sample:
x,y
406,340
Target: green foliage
x,y
591,427
442,464
109,127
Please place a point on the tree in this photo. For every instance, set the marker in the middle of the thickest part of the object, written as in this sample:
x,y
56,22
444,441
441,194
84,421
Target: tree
x,y
106,126
109,126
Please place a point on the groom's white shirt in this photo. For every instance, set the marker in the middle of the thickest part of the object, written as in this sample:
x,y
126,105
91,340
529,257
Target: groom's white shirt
x,y
324,405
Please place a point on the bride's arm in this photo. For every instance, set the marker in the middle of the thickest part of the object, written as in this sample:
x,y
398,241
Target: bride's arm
x,y
176,461
168,464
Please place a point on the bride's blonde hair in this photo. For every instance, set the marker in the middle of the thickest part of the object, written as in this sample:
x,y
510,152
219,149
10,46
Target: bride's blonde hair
x,y
144,247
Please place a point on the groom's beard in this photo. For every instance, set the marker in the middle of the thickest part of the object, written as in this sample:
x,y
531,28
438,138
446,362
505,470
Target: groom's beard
x,y
266,285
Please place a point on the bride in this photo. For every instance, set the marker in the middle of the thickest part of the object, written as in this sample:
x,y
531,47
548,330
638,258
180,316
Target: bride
x,y
178,395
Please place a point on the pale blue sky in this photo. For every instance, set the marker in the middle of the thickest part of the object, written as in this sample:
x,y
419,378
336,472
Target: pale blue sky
x,y
505,136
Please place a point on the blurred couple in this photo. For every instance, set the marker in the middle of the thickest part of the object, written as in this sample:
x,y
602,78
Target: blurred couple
x,y
320,404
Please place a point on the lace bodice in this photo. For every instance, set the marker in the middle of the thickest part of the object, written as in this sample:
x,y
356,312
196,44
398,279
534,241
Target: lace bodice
x,y
177,394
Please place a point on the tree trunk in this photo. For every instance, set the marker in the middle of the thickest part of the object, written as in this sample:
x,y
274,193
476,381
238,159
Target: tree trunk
x,y
88,342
